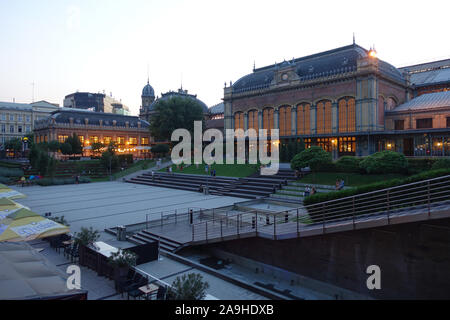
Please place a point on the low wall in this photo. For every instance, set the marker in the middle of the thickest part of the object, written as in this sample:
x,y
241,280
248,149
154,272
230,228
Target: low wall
x,y
414,258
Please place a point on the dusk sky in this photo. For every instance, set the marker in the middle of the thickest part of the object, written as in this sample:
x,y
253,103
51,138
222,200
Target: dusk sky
x,y
64,46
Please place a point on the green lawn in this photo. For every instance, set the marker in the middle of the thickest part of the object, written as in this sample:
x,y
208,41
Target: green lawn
x,y
351,179
224,170
140,165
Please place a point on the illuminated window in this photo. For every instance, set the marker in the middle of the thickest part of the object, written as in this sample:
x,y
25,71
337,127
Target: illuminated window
x,y
308,143
268,119
238,121
94,139
120,140
81,138
62,138
304,118
133,141
347,145
324,117
285,121
144,141
107,140
347,115
325,144
253,120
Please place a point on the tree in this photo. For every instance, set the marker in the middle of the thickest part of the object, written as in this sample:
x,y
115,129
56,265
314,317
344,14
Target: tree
x,y
160,149
66,148
314,158
109,160
75,142
175,113
14,145
54,146
188,287
97,147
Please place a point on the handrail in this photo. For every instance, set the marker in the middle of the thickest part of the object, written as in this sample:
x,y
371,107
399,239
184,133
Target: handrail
x,y
372,192
374,203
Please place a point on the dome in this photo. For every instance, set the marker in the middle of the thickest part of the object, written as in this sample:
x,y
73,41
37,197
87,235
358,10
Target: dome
x,y
180,93
148,91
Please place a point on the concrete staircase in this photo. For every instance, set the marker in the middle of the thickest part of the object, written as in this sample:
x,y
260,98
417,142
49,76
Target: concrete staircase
x,y
146,236
249,188
294,191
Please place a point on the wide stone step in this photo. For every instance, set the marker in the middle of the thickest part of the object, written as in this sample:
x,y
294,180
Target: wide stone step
x,y
163,185
286,197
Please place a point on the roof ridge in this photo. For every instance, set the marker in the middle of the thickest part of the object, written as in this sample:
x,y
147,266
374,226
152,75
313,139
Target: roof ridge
x,y
315,55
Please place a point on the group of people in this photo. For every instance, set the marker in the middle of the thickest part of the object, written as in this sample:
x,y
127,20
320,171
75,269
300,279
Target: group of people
x,y
213,171
340,184
309,191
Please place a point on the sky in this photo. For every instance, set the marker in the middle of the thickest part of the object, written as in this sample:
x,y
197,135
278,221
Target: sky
x,y
64,46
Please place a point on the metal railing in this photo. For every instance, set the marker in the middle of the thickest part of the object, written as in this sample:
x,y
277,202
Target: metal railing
x,y
172,216
418,197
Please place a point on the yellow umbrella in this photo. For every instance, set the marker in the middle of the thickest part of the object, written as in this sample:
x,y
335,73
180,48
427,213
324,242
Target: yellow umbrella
x,y
22,224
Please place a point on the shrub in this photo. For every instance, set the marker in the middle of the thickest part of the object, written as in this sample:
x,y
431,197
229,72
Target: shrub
x,y
385,162
416,165
125,158
86,236
11,172
60,181
322,197
349,164
441,164
314,158
188,287
5,180
123,258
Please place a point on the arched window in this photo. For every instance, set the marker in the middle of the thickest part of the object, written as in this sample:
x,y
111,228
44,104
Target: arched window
x,y
253,120
390,103
268,119
304,118
238,121
285,120
347,115
324,117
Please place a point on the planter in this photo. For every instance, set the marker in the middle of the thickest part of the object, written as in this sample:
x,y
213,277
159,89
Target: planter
x,y
120,277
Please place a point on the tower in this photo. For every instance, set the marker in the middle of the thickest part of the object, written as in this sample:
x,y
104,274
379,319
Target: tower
x,y
148,97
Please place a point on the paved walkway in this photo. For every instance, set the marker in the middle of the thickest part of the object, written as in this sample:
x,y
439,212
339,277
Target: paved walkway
x,y
109,204
168,270
140,172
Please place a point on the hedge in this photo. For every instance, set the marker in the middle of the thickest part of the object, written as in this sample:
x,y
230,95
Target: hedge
x,y
349,164
417,165
441,164
322,197
60,181
385,162
11,172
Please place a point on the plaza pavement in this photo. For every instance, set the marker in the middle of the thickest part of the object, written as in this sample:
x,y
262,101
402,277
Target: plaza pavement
x,y
108,204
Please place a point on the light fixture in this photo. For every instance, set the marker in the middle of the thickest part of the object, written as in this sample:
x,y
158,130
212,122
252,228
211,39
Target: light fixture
x,y
372,53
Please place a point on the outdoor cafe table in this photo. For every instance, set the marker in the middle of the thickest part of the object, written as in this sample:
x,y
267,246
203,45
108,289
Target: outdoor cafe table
x,y
148,289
